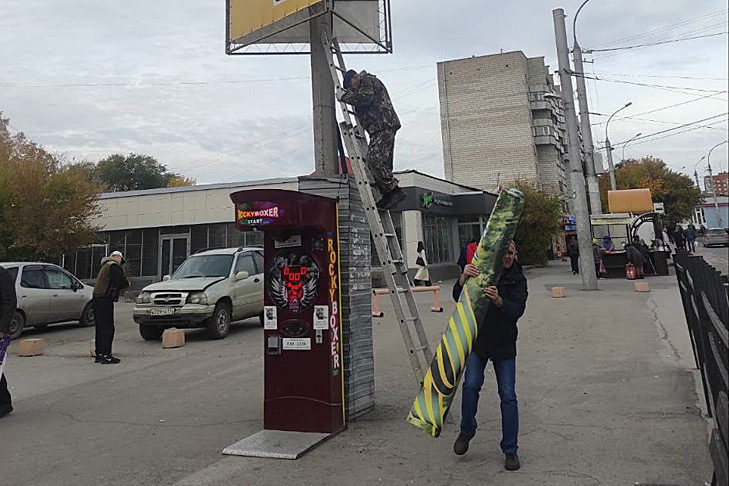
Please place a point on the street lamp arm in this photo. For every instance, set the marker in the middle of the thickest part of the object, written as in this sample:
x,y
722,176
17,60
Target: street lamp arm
x,y
607,124
708,156
574,22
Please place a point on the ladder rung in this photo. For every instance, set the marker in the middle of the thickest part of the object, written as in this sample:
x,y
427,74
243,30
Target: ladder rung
x,y
390,235
417,348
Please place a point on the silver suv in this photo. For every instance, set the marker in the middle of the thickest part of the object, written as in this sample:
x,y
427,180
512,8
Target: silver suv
x,y
210,289
47,294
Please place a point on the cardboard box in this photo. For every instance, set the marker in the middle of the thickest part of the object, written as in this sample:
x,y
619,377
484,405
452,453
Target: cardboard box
x,y
558,292
642,287
173,338
31,347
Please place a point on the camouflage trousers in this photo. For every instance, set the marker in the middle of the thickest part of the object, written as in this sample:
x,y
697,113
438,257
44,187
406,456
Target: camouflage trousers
x,y
379,158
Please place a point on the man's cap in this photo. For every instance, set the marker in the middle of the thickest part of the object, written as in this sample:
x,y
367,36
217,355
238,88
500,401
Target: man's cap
x,y
348,77
117,253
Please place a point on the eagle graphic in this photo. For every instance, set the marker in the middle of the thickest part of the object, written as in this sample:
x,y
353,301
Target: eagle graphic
x,y
294,281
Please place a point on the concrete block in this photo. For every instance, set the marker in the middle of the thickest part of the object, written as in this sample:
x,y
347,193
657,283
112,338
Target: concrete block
x,y
31,347
558,292
173,338
642,287
92,348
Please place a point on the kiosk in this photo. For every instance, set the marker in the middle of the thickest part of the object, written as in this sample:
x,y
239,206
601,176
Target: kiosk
x,y
302,344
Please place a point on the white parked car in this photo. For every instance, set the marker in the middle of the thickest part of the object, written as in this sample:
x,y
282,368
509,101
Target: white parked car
x,y
47,294
210,289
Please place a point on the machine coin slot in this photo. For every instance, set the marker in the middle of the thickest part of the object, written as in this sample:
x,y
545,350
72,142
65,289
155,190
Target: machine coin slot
x,y
319,336
274,345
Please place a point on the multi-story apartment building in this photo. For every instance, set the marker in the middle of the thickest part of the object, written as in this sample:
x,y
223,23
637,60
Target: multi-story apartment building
x,y
502,119
718,183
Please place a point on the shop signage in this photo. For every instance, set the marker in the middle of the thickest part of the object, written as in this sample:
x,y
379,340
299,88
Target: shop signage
x,y
334,352
257,213
429,199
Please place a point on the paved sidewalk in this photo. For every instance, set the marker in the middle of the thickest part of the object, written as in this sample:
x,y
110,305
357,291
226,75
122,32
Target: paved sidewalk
x,y
604,379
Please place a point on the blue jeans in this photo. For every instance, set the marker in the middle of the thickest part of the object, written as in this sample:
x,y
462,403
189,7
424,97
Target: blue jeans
x,y
505,378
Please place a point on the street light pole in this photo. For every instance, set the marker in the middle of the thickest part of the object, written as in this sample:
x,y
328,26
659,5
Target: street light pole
x,y
577,180
592,185
611,167
626,144
696,174
713,186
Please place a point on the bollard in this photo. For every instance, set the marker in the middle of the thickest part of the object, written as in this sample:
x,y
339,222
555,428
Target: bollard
x,y
376,304
173,338
642,287
558,292
31,347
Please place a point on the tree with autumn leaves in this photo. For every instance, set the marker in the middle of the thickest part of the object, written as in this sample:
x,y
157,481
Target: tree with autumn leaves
x,y
46,208
676,191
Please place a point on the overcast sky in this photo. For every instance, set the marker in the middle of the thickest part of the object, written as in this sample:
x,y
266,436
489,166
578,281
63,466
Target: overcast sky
x,y
88,78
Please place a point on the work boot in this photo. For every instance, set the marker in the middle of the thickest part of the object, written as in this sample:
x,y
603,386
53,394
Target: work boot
x,y
106,359
461,445
7,409
511,462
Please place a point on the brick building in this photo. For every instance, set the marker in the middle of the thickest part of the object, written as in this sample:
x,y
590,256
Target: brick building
x,y
502,119
720,182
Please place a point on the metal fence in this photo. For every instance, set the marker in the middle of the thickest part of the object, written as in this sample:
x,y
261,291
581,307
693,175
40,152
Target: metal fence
x,y
705,296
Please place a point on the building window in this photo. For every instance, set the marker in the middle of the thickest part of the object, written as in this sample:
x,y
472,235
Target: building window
x,y
437,238
198,238
133,253
217,235
150,252
236,238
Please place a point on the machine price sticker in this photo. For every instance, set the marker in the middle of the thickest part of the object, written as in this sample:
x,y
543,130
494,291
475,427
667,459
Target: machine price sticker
x,y
297,344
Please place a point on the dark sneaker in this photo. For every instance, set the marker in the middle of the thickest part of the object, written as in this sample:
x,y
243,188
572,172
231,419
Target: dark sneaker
x,y
6,410
511,463
461,445
106,359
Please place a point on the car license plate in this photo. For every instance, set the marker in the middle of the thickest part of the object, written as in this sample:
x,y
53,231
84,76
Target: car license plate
x,y
163,311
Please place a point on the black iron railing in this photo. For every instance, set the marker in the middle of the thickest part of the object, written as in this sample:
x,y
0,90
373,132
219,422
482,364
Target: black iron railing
x,y
705,295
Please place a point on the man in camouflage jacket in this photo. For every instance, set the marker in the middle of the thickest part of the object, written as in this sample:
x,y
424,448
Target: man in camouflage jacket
x,y
374,109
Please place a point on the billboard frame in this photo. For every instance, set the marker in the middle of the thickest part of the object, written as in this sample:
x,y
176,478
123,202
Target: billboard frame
x,y
255,43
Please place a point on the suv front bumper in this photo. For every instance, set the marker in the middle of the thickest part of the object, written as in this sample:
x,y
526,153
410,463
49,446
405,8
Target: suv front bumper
x,y
188,315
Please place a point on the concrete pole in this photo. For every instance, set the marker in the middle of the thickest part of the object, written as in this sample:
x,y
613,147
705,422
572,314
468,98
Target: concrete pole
x,y
324,103
592,185
611,167
577,180
696,176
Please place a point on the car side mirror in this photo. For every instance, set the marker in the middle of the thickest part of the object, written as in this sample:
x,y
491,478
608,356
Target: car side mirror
x,y
242,275
75,286
165,278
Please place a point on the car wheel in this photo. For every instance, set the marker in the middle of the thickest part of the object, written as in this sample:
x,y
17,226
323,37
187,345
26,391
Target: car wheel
x,y
17,324
219,325
87,317
151,333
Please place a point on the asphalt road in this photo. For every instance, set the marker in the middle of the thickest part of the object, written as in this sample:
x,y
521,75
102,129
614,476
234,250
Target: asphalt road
x,y
718,257
605,384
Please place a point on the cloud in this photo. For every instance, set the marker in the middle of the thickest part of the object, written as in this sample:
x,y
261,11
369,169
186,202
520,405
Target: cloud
x,y
250,117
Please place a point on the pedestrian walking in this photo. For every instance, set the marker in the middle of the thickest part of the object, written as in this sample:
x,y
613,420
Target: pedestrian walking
x,y
690,236
8,304
109,283
467,252
678,238
573,251
422,277
597,252
496,342
374,109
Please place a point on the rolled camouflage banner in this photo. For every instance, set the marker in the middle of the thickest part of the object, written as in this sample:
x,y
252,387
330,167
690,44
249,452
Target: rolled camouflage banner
x,y
441,381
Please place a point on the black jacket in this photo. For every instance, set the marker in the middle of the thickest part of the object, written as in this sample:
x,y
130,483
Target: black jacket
x,y
497,332
8,300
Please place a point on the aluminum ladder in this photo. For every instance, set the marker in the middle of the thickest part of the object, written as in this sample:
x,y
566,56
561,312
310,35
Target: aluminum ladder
x,y
394,268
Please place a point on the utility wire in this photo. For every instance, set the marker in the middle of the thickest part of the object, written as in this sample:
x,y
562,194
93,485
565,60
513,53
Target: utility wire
x,y
651,135
660,109
691,129
638,46
678,89
668,27
661,77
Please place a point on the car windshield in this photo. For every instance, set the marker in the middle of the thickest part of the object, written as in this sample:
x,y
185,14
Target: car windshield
x,y
204,266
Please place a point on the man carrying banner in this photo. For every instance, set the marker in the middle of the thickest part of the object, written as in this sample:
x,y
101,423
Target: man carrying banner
x,y
496,341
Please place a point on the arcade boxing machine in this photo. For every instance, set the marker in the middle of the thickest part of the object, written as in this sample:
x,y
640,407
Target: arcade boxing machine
x,y
303,369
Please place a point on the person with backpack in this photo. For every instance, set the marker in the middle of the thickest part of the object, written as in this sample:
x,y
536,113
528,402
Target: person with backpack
x,y
109,284
422,277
